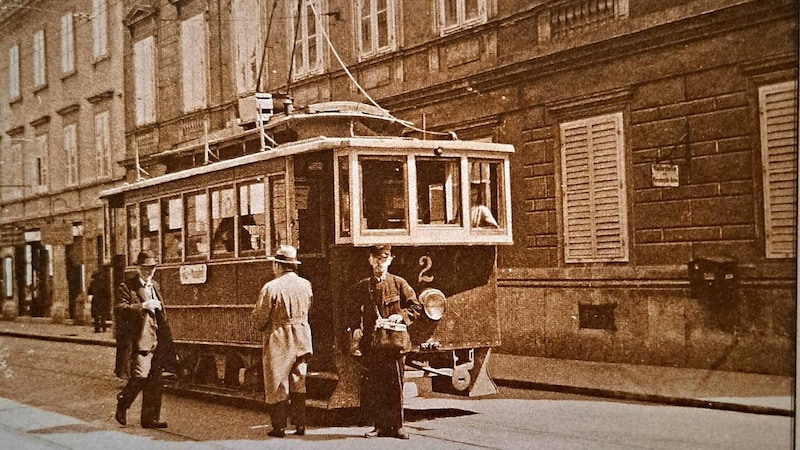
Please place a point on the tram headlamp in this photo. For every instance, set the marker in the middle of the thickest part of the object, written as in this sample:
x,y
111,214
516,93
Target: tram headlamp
x,y
434,303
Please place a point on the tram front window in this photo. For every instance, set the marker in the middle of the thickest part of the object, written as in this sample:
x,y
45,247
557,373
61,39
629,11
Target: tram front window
x,y
438,193
485,188
383,190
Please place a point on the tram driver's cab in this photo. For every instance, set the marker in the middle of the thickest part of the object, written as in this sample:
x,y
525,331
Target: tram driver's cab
x,y
429,196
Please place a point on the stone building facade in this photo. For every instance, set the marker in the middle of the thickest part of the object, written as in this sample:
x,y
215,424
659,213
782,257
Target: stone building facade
x,y
655,176
61,118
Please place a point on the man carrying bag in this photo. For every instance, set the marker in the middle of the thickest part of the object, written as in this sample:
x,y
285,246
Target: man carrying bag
x,y
382,305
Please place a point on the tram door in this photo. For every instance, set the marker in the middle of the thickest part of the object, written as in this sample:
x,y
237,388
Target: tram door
x,y
313,202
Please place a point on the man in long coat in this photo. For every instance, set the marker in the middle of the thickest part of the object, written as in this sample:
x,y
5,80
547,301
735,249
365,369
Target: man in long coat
x,y
143,329
281,314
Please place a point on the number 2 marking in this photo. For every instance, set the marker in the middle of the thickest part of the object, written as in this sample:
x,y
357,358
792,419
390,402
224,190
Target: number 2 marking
x,y
427,263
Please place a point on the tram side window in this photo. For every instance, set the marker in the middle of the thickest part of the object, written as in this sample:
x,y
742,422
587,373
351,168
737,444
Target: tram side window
x,y
344,197
133,233
485,194
438,191
150,221
172,226
223,209
252,220
197,224
383,193
277,212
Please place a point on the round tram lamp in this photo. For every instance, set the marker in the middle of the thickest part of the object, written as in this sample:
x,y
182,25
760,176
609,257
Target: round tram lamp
x,y
434,302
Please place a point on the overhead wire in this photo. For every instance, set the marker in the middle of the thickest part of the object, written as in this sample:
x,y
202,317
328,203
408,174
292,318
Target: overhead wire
x,y
358,85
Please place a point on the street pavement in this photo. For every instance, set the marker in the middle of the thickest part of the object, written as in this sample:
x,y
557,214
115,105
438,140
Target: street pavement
x,y
24,426
713,389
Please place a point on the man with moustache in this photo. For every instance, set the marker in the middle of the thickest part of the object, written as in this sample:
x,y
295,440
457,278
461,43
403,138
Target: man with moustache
x,y
392,297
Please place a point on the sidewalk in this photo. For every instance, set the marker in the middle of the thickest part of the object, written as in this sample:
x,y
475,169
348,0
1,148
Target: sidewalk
x,y
752,393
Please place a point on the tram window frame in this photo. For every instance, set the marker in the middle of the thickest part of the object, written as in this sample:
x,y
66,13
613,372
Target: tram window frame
x,y
225,211
261,238
343,199
406,219
497,202
203,246
150,210
455,194
277,234
168,231
132,232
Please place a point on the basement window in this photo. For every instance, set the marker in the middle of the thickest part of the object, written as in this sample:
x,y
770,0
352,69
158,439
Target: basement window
x,y
596,317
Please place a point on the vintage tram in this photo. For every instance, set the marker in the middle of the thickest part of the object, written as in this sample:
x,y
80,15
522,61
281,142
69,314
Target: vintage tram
x,y
331,181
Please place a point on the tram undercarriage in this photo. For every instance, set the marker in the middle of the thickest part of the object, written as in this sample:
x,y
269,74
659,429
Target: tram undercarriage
x,y
223,371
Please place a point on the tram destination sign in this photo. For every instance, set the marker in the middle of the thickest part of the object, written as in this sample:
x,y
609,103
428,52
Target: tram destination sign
x,y
194,274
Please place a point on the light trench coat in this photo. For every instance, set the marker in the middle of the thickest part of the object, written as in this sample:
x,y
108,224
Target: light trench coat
x,y
281,314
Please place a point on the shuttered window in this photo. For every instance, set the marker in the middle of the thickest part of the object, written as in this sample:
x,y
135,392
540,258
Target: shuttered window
x,y
39,160
71,154
594,199
99,29
778,111
38,57
67,44
102,144
13,72
144,82
246,44
193,59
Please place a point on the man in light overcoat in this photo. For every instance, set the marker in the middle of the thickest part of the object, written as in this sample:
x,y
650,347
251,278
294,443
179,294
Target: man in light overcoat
x,y
281,314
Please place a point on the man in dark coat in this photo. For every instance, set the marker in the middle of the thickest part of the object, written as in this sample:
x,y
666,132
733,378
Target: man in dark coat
x,y
395,300
99,299
142,326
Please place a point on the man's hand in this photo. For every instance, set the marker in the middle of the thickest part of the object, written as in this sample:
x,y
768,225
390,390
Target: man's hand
x,y
151,305
396,318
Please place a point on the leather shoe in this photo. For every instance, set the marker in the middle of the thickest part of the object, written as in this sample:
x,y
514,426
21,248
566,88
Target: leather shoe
x,y
300,431
373,433
121,416
154,424
398,434
277,432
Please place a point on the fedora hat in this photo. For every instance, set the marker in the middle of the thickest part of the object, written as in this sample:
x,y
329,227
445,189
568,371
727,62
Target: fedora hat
x,y
145,259
286,254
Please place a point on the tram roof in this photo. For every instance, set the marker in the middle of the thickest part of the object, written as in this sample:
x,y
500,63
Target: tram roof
x,y
314,145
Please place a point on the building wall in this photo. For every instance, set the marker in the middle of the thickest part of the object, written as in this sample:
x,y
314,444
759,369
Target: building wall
x,y
68,217
683,74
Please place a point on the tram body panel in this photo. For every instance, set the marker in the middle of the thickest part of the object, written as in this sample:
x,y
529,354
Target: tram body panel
x,y
210,291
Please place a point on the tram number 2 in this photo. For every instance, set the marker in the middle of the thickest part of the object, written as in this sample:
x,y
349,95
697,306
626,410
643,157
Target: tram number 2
x,y
426,263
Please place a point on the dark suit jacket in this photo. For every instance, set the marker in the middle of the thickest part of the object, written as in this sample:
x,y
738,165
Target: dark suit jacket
x,y
129,316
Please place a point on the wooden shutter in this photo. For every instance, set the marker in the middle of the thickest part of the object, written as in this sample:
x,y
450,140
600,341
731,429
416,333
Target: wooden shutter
x,y
13,72
193,59
99,29
38,59
778,112
67,44
246,44
71,154
144,86
594,201
102,143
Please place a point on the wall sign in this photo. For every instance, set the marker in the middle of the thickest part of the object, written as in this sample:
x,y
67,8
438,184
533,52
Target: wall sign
x,y
664,175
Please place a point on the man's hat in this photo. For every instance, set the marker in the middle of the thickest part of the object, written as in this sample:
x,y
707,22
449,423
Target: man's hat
x,y
146,259
381,250
286,254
